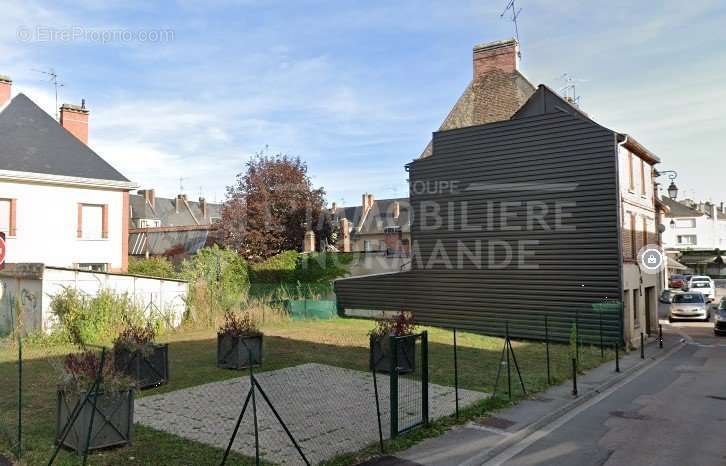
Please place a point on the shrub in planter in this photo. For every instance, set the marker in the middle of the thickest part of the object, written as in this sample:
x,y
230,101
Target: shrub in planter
x,y
113,421
136,355
402,327
239,342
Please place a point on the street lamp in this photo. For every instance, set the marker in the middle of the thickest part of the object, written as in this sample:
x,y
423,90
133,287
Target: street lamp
x,y
672,188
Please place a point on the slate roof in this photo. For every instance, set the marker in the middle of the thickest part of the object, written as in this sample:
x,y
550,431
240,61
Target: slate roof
x,y
32,141
493,96
165,210
677,209
379,217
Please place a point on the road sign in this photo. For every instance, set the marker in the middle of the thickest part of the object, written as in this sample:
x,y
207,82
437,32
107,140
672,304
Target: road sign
x,y
2,250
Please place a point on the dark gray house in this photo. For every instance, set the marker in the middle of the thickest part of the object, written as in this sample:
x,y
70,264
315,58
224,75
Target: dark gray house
x,y
512,221
173,228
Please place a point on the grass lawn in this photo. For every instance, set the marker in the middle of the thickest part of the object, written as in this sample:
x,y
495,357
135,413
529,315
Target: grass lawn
x,y
339,342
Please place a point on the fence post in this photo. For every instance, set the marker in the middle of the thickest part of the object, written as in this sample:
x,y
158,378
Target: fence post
x,y
547,350
425,377
509,370
393,378
660,336
617,358
602,346
97,391
20,397
456,376
574,377
642,345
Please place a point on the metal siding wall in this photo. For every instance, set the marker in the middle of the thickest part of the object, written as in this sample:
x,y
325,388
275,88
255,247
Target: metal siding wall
x,y
575,269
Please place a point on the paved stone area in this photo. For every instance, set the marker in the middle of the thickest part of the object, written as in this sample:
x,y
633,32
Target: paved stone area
x,y
329,410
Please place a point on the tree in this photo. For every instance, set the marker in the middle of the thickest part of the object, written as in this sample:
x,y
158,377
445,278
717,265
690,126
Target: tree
x,y
271,206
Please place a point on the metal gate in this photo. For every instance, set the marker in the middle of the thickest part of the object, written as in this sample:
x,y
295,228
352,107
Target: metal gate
x,y
409,378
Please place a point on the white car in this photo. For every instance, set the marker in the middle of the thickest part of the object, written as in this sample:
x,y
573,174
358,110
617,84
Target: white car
x,y
703,285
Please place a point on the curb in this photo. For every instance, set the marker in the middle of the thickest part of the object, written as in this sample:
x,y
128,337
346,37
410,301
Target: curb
x,y
525,432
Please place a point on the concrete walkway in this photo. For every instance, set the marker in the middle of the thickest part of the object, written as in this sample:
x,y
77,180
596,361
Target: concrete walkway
x,y
478,442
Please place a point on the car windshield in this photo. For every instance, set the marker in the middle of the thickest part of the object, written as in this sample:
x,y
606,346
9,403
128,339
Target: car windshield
x,y
676,277
701,285
689,298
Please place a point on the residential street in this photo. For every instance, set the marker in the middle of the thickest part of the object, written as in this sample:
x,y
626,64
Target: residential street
x,y
672,414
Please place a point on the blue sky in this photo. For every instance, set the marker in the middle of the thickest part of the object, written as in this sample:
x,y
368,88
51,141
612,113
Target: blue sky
x,y
355,88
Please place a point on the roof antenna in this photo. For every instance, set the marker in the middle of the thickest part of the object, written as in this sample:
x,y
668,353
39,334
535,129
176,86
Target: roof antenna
x,y
53,80
569,90
515,14
181,185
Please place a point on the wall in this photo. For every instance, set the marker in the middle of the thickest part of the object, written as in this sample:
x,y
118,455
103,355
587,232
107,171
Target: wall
x,y
557,158
709,234
47,217
639,313
36,293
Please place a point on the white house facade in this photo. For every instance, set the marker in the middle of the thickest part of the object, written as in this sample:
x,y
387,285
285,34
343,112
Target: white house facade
x,y
61,204
689,228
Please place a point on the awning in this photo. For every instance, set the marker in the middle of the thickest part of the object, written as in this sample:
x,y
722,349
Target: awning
x,y
675,265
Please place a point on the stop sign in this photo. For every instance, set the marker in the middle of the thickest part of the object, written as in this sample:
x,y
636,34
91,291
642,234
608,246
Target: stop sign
x,y
2,249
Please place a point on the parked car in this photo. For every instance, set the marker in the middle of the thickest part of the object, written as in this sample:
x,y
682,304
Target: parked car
x,y
676,281
666,296
689,306
719,318
704,285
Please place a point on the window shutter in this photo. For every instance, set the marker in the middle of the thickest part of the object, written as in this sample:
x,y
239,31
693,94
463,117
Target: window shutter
x,y
80,221
631,178
104,224
642,177
12,228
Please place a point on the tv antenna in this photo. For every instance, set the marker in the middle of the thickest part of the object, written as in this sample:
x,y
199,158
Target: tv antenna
x,y
50,72
181,185
515,14
569,90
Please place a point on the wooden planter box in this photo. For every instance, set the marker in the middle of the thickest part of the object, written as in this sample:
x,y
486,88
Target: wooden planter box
x,y
149,370
113,423
239,352
381,354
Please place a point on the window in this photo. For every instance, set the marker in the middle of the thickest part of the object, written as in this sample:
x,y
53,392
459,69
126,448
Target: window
x,y
688,240
7,216
149,223
633,238
93,267
367,246
645,231
642,177
686,223
631,178
92,221
215,220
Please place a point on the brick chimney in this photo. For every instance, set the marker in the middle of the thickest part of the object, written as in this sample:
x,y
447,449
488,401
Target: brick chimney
x,y
179,202
502,55
204,207
149,196
5,84
75,119
367,202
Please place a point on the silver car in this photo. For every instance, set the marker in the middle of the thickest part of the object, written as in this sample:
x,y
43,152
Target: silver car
x,y
689,306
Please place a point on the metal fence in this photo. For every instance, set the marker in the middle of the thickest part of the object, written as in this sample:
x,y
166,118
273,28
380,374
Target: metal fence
x,y
273,412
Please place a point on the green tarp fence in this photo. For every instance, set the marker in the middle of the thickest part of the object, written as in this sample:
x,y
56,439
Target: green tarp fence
x,y
309,309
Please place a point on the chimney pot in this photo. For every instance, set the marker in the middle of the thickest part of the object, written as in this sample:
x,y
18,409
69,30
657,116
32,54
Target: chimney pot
x,y
149,196
333,206
74,119
6,85
501,56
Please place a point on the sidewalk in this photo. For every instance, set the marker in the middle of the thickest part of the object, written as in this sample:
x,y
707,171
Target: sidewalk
x,y
476,442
